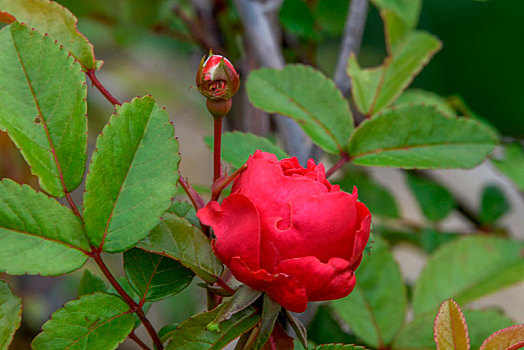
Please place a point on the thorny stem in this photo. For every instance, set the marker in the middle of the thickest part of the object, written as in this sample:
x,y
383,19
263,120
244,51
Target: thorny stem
x,y
91,74
132,304
193,195
344,158
219,185
137,340
217,166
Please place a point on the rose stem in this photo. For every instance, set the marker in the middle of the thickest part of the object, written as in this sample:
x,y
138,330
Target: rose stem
x,y
219,186
132,304
344,158
95,253
195,198
91,74
217,170
137,340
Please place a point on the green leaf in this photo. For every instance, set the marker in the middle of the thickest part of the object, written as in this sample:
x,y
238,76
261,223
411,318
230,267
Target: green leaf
x,y
396,30
428,98
270,312
407,10
451,331
238,146
307,96
298,327
49,17
325,329
338,347
376,197
38,235
467,269
44,115
176,238
193,334
126,286
418,334
493,204
90,284
435,200
376,88
132,177
165,332
296,17
153,276
242,299
512,165
328,15
10,314
93,322
376,308
186,211
423,139
507,338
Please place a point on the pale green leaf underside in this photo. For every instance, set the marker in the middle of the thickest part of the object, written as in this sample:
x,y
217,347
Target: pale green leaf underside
x,y
376,88
155,277
57,21
420,137
467,269
307,96
376,308
37,234
132,177
418,334
193,334
10,314
43,107
238,146
176,238
93,322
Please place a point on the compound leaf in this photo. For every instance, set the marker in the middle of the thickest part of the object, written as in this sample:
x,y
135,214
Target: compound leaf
x,y
93,322
43,107
38,235
423,138
133,175
307,96
176,238
49,17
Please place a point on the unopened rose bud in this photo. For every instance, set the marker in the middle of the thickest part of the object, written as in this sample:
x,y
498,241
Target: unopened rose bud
x,y
218,81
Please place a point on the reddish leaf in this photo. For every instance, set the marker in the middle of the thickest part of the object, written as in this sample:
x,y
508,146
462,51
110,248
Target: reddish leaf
x,y
450,329
6,18
279,340
511,338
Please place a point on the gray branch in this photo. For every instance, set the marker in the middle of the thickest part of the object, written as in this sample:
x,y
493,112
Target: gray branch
x,y
260,35
353,31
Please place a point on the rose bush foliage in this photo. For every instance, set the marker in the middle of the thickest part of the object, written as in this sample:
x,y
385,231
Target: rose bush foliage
x,y
287,231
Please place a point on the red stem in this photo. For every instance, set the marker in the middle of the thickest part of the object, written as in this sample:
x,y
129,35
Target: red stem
x,y
218,186
91,74
343,160
217,169
132,304
195,198
516,346
224,285
137,340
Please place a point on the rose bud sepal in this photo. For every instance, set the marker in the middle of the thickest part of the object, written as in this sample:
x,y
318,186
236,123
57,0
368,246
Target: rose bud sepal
x,y
242,299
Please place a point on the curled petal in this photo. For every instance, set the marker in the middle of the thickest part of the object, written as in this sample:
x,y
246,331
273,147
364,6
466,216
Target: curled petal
x,y
322,281
236,227
362,235
282,288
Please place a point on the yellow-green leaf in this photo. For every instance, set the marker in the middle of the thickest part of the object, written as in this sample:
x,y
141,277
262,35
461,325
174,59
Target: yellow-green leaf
x,y
450,329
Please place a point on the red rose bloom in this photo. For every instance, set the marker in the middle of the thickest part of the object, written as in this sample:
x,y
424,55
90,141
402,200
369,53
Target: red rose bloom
x,y
287,231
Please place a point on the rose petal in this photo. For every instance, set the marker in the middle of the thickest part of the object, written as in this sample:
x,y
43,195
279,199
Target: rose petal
x,y
283,289
330,281
321,226
236,227
362,235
